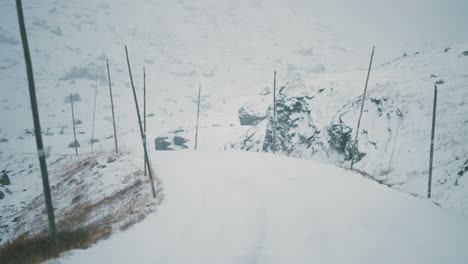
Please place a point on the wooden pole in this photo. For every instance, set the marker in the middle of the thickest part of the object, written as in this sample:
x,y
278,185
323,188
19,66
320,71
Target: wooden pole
x,y
274,113
432,143
112,106
37,128
141,127
73,120
198,116
144,109
362,108
94,111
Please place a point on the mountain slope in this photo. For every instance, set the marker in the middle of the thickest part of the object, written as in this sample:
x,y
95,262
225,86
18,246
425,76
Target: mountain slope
x,y
317,117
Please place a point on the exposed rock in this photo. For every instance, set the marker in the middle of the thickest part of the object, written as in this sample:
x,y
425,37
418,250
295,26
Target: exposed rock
x,y
265,91
172,140
252,140
2,195
83,72
93,140
295,131
4,179
161,143
74,144
2,140
179,141
250,117
463,170
340,139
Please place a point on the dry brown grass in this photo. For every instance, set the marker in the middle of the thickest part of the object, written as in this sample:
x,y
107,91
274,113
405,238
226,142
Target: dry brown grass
x,y
35,249
84,221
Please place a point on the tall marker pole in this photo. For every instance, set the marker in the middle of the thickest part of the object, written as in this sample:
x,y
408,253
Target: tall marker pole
x,y
432,142
198,116
112,106
37,128
144,108
73,121
362,108
143,140
274,112
393,149
94,111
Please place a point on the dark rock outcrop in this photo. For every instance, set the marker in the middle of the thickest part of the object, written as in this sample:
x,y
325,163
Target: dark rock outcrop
x,y
248,117
4,179
173,140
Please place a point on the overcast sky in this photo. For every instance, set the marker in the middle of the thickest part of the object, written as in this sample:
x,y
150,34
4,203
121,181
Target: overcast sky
x,y
395,24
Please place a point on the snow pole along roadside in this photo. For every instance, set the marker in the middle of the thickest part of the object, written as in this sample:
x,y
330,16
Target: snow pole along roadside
x,y
37,128
140,125
400,115
94,109
144,112
362,108
274,113
112,107
431,155
75,143
198,116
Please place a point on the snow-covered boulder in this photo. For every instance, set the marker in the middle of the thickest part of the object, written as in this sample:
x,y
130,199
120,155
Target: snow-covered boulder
x,y
249,116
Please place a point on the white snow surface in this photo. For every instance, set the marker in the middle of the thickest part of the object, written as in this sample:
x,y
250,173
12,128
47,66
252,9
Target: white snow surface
x,y
243,207
236,207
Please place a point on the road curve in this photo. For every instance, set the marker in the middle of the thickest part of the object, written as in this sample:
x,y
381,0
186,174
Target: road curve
x,y
238,207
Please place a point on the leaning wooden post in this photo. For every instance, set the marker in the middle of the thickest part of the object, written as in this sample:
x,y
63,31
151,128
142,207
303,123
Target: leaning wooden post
x,y
432,142
141,127
362,108
73,121
94,111
37,128
198,116
144,108
112,106
274,113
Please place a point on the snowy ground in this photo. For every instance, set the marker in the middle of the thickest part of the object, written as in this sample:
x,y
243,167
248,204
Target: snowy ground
x,y
236,207
232,47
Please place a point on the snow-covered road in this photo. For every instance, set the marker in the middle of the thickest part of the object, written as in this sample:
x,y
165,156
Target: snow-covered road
x,y
237,207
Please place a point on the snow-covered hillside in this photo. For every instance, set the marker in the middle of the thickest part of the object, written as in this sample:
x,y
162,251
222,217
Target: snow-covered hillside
x,y
237,207
98,189
317,117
